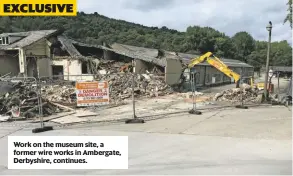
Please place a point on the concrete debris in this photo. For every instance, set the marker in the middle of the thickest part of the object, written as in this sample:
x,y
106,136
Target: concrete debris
x,y
245,93
102,72
4,118
145,86
20,100
110,66
59,93
120,88
245,87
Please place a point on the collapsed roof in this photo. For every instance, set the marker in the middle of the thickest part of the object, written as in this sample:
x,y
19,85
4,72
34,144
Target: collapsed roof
x,y
155,56
26,38
281,69
159,56
70,46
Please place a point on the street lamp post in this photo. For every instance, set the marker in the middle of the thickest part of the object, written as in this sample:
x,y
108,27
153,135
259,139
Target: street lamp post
x,y
269,28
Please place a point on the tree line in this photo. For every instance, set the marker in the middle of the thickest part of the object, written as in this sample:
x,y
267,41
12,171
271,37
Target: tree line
x,y
96,29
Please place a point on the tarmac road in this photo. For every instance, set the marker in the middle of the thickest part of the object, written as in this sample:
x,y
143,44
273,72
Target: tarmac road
x,y
231,141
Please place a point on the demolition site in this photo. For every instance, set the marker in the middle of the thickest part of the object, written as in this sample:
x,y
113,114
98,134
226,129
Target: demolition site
x,y
46,76
208,114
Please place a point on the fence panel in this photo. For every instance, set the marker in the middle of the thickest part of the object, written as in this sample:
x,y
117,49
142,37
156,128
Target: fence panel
x,y
62,89
152,94
153,97
20,97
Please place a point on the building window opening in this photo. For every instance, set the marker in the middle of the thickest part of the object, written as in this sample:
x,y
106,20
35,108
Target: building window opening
x,y
6,40
84,68
57,71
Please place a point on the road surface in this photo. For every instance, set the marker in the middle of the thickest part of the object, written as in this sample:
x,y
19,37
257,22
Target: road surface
x,y
223,141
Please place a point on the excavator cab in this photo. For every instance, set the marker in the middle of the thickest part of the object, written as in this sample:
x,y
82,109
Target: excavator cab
x,y
248,80
256,84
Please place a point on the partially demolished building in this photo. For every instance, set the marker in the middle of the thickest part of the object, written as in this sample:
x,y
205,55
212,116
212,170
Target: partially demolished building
x,y
207,76
48,53
24,52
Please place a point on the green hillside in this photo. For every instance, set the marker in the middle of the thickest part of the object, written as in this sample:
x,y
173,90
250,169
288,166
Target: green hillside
x,y
95,28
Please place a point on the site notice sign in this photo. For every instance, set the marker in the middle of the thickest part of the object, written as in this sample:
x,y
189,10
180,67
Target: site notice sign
x,y
92,93
38,8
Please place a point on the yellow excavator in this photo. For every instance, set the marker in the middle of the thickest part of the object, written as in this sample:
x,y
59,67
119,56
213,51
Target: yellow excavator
x,y
218,64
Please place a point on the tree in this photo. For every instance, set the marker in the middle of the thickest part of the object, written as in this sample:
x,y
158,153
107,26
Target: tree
x,y
258,57
244,44
281,54
202,39
96,29
289,15
224,47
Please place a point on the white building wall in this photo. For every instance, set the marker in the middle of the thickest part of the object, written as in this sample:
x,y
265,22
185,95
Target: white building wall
x,y
72,70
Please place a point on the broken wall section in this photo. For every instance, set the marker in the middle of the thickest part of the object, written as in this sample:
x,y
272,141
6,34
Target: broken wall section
x,y
9,63
37,59
69,69
142,67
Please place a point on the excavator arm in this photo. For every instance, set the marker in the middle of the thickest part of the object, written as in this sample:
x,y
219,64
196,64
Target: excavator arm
x,y
223,68
217,63
201,59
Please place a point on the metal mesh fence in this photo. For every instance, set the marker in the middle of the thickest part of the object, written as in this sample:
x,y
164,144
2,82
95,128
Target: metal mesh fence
x,y
20,97
153,96
61,89
58,89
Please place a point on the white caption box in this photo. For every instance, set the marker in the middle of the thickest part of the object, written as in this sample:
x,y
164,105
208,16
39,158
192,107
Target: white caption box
x,y
68,152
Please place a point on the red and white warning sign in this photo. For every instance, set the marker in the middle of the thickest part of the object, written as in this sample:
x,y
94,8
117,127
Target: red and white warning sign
x,y
92,93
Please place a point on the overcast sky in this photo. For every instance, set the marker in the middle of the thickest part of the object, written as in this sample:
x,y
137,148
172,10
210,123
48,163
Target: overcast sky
x,y
228,16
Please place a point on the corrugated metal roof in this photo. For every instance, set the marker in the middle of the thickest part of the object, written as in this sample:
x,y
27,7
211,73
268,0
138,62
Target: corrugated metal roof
x,y
229,62
146,54
151,55
30,37
281,68
69,43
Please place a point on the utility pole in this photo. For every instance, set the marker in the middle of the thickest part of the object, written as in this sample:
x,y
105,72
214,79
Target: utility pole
x,y
269,28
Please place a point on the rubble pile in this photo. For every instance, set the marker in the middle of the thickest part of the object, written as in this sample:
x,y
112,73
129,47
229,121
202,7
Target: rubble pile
x,y
245,93
21,100
145,85
120,85
110,67
59,93
100,66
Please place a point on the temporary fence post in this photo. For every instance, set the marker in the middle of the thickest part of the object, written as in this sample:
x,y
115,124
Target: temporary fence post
x,y
241,106
133,100
39,94
289,93
278,86
193,89
134,119
278,102
41,109
287,98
